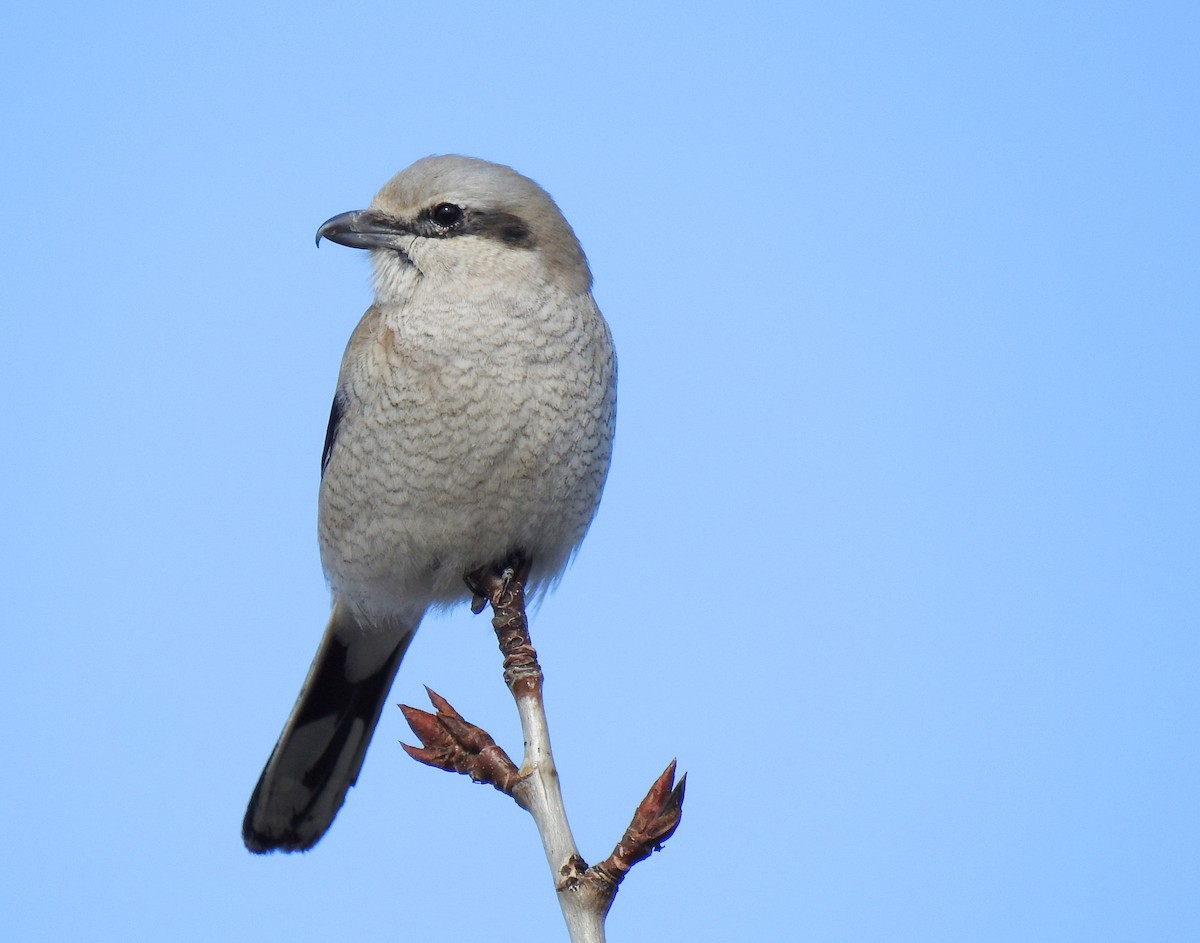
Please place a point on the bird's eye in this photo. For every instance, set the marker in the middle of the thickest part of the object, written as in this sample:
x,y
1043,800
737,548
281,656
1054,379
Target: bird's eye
x,y
447,214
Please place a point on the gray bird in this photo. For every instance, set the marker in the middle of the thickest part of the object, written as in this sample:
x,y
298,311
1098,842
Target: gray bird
x,y
472,422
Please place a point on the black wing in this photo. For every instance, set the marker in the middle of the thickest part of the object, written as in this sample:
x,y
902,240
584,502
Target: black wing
x,y
335,419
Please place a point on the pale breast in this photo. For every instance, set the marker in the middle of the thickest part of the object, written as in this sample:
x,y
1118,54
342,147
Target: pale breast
x,y
466,433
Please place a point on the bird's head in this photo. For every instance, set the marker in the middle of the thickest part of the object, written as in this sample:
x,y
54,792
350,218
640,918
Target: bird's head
x,y
456,220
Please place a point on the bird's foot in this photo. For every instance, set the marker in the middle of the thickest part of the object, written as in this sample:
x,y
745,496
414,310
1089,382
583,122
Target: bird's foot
x,y
492,582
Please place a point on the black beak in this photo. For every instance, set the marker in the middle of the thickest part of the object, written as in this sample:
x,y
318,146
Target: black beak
x,y
363,229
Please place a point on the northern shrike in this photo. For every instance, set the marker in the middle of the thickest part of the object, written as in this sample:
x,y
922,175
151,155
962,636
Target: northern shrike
x,y
473,420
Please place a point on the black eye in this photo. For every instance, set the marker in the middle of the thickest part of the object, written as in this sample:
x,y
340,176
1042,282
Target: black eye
x,y
447,214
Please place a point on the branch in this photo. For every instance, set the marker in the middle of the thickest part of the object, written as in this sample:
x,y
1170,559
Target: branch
x,y
451,743
653,823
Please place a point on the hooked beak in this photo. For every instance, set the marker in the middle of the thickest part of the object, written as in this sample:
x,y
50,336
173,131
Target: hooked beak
x,y
363,229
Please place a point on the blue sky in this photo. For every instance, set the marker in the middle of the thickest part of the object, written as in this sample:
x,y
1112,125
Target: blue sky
x,y
899,550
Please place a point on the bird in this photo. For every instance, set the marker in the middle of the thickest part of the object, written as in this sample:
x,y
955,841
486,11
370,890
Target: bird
x,y
472,424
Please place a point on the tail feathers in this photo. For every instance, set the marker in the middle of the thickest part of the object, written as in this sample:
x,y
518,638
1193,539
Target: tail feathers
x,y
321,749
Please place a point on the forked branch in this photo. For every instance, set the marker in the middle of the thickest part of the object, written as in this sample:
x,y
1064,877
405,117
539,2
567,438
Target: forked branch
x,y
451,743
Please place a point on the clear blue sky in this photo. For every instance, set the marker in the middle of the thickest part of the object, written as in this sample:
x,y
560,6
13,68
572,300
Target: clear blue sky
x,y
899,552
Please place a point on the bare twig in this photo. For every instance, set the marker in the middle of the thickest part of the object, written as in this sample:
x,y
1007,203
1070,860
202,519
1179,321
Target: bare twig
x,y
653,823
451,743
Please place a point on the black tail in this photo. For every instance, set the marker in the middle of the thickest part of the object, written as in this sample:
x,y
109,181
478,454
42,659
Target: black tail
x,y
320,751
